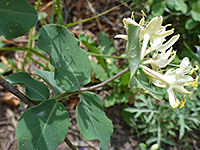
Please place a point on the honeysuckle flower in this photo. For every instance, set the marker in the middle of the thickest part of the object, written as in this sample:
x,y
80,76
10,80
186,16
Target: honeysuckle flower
x,y
127,21
161,60
162,56
163,47
155,33
174,81
152,37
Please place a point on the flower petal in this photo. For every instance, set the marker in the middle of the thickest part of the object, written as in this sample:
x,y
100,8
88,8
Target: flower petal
x,y
125,37
174,102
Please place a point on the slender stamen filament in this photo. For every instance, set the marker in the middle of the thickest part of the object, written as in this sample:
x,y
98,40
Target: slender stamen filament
x,y
176,105
195,83
143,13
172,53
182,103
132,15
194,69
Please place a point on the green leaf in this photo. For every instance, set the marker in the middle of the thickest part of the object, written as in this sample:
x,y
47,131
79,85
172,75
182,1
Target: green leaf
x,y
34,89
127,116
92,120
115,98
158,8
182,126
99,71
107,43
190,24
143,146
72,66
142,81
43,127
2,44
48,77
4,68
177,5
195,12
133,49
17,17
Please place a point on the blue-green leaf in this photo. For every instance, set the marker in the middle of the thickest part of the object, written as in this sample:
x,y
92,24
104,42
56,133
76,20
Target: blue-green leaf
x,y
133,49
92,120
72,66
48,77
34,89
43,127
16,18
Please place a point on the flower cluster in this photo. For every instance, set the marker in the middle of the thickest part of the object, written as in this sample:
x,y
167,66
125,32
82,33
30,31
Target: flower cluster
x,y
175,80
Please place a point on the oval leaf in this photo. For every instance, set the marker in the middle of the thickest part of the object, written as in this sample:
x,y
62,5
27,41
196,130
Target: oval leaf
x,y
195,12
141,81
92,120
73,68
43,127
48,77
133,49
17,17
34,89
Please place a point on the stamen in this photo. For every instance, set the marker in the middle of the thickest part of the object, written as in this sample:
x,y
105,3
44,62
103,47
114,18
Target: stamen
x,y
195,83
190,93
132,15
194,69
182,103
176,105
172,53
143,13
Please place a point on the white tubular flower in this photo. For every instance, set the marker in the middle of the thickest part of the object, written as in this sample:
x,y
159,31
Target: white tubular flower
x,y
165,57
163,47
174,80
127,21
154,32
161,60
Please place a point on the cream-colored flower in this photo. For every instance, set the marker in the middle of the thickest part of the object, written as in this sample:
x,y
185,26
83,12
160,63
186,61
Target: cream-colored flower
x,y
162,47
155,33
162,56
127,21
174,80
161,60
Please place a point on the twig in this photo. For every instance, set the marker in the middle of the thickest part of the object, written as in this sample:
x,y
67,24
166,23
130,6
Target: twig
x,y
70,144
105,82
94,12
16,92
46,6
92,87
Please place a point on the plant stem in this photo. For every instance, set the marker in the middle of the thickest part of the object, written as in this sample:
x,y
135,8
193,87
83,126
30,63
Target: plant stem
x,y
92,87
34,51
70,144
101,55
16,92
105,82
91,18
